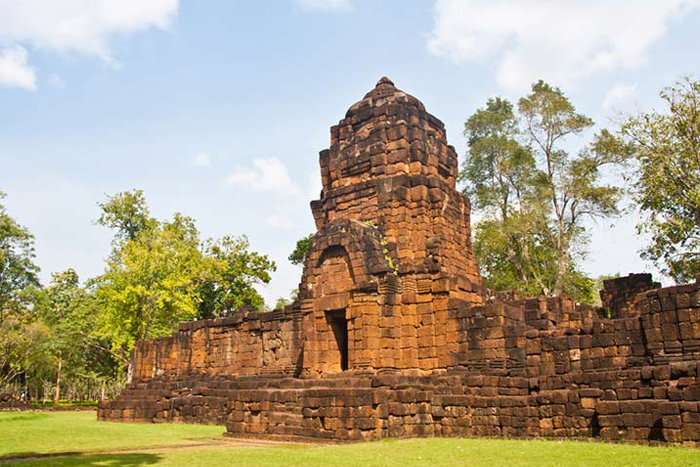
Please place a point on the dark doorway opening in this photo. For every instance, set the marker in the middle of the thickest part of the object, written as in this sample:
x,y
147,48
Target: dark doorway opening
x,y
339,326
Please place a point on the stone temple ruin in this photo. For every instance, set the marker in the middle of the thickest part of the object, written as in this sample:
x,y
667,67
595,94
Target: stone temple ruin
x,y
392,334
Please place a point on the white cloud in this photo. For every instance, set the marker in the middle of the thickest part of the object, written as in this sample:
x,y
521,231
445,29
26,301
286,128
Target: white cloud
x,y
560,41
202,159
14,70
267,174
618,94
81,26
325,5
56,81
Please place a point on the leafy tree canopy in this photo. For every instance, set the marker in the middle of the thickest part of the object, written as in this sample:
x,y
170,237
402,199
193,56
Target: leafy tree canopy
x,y
301,251
127,213
71,312
234,270
17,268
534,194
161,273
667,186
20,330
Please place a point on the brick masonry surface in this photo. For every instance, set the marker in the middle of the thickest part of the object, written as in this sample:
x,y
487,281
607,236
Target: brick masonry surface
x,y
393,335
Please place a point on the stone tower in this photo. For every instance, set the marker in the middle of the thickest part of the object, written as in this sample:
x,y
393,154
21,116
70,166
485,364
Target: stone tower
x,y
393,244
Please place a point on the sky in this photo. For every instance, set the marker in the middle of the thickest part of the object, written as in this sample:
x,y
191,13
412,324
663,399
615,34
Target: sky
x,y
217,109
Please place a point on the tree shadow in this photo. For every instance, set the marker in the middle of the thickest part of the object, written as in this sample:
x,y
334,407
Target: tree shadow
x,y
21,416
657,433
87,460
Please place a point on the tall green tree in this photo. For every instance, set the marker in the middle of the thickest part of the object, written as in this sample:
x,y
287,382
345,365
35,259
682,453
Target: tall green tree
x,y
21,330
571,183
161,273
498,168
500,175
151,283
667,187
534,194
76,350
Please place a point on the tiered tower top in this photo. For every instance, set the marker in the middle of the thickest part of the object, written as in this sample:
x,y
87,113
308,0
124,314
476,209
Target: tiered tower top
x,y
389,166
386,134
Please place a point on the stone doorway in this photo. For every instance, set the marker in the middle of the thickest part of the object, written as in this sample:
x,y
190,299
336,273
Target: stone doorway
x,y
338,324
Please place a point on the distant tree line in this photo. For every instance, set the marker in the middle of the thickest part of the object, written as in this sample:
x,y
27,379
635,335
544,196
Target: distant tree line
x,y
73,340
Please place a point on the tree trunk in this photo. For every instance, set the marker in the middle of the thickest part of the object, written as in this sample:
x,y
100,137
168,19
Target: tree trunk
x,y
562,253
57,394
130,370
102,395
562,270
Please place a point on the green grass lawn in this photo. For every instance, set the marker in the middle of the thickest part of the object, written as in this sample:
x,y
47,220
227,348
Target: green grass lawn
x,y
99,443
45,432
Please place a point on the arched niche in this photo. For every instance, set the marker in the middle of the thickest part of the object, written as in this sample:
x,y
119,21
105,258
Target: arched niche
x,y
339,293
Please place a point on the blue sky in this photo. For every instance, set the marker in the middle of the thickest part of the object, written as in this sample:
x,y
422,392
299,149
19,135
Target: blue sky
x,y
218,108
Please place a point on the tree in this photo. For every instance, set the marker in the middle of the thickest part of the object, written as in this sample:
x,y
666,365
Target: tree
x,y
571,184
234,272
500,173
283,302
667,188
513,255
151,283
78,352
161,273
498,167
301,251
533,194
21,339
17,268
20,329
127,213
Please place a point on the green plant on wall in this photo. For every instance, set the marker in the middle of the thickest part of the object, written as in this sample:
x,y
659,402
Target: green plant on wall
x,y
384,242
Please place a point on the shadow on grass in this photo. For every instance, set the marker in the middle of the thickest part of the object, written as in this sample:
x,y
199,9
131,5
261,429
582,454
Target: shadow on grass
x,y
21,416
85,460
